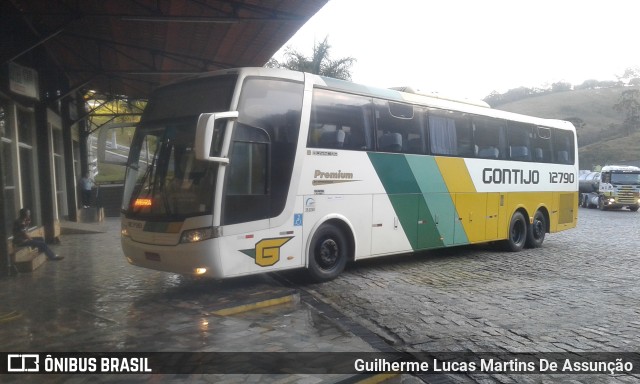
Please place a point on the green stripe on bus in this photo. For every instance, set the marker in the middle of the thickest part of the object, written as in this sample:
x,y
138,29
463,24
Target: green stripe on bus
x,y
395,173
420,199
440,204
401,187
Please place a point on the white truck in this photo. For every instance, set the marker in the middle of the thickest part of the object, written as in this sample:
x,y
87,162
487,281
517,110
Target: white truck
x,y
614,187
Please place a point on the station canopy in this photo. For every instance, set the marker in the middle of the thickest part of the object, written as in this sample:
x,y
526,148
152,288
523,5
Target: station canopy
x,y
129,47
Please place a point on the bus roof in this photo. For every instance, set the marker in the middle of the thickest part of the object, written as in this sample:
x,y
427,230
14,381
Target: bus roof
x,y
479,103
430,100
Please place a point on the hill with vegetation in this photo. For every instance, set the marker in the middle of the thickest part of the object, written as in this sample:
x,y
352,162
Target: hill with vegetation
x,y
604,137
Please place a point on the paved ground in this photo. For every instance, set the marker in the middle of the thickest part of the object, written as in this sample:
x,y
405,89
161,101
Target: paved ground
x,y
578,293
94,301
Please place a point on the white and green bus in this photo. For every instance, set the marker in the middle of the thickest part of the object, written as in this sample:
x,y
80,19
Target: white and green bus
x,y
256,170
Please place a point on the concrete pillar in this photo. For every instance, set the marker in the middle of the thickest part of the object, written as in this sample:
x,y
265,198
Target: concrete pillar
x,y
67,139
47,194
5,262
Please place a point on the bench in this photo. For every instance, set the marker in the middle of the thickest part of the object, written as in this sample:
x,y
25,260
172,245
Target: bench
x,y
28,259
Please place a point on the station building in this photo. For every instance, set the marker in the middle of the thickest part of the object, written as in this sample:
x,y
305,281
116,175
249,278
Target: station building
x,y
54,52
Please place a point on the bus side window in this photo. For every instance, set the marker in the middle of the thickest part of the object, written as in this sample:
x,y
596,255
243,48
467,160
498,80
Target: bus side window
x,y
541,145
563,146
450,133
489,137
519,137
398,127
340,121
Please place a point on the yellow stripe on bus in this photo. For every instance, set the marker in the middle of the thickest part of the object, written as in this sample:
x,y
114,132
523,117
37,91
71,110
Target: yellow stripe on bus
x,y
470,206
455,174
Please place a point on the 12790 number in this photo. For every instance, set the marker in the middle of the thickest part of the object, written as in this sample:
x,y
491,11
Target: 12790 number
x,y
562,177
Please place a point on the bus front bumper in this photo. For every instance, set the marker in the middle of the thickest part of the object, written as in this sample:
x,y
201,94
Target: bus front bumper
x,y
196,259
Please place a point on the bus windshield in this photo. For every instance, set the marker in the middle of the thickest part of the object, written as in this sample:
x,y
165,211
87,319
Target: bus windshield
x,y
169,181
164,181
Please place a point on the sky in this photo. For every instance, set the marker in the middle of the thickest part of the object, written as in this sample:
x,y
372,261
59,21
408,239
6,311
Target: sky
x,y
467,48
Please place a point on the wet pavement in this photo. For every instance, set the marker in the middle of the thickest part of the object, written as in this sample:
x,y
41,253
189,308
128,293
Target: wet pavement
x,y
576,296
94,301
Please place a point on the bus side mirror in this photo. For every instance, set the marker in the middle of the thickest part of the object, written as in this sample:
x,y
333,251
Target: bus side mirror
x,y
208,135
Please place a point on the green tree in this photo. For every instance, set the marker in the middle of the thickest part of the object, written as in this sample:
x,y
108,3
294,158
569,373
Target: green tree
x,y
630,76
629,104
319,63
560,86
588,84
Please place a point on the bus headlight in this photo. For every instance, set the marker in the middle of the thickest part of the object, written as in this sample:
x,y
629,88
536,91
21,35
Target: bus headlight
x,y
195,235
124,232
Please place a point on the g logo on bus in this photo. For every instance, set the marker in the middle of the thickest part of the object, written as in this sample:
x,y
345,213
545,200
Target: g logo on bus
x,y
267,251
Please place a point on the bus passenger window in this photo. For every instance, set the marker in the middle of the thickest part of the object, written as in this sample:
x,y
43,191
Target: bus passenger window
x,y
490,138
519,137
390,142
340,121
398,127
450,133
541,145
563,146
333,138
442,135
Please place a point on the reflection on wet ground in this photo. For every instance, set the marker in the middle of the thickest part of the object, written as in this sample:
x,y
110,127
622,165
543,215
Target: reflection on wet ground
x,y
93,301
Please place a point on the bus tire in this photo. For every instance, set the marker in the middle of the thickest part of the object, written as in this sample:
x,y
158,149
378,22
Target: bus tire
x,y
517,233
536,231
328,253
634,208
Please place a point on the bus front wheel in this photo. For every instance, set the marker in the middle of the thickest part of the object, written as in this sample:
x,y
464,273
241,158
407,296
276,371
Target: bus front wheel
x,y
536,231
328,254
517,233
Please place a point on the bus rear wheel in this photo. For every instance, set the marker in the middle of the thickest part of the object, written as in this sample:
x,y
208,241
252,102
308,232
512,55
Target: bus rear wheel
x,y
328,254
517,233
536,231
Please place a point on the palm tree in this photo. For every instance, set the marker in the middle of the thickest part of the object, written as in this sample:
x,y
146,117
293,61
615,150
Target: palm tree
x,y
319,63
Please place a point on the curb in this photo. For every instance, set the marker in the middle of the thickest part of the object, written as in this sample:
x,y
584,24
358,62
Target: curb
x,y
250,306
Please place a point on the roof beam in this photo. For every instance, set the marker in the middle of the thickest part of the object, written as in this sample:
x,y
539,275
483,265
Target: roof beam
x,y
42,41
205,19
147,49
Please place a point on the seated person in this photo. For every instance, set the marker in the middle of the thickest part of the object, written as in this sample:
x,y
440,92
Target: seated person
x,y
22,239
